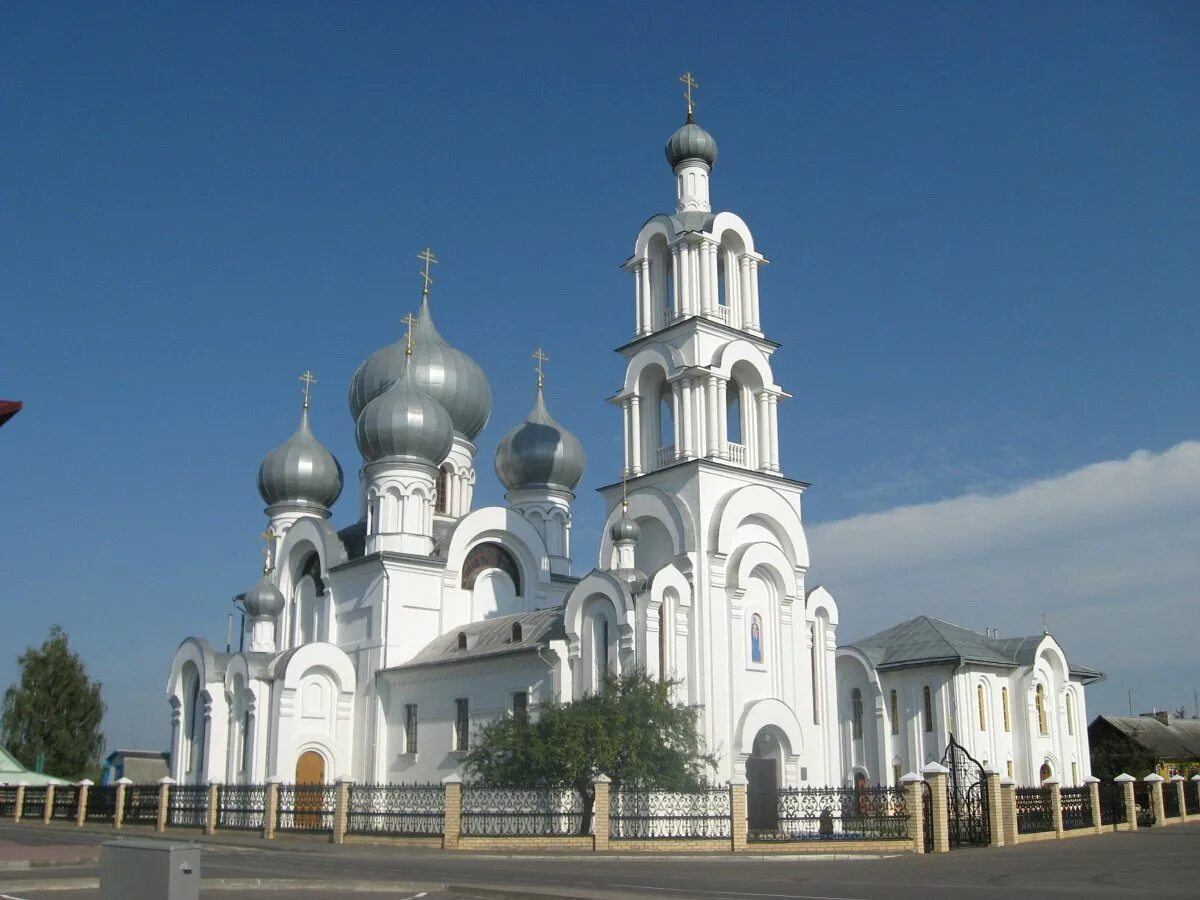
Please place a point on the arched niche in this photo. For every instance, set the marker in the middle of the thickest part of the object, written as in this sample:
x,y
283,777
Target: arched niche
x,y
652,503
766,509
511,530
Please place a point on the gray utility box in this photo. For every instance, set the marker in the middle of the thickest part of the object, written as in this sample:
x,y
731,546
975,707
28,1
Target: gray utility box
x,y
149,870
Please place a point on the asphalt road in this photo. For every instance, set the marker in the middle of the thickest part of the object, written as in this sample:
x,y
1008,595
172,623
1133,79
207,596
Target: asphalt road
x,y
1154,863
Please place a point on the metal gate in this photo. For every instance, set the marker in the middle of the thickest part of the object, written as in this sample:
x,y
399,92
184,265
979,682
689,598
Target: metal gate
x,y
927,815
966,798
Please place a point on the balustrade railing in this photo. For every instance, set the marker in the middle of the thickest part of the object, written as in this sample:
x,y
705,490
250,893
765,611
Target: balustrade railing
x,y
35,803
187,805
668,815
101,803
1076,807
664,456
802,814
66,801
241,806
1033,810
306,807
735,453
141,804
521,812
397,809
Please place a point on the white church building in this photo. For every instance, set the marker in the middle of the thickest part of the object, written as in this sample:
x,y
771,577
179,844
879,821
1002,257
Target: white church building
x,y
377,650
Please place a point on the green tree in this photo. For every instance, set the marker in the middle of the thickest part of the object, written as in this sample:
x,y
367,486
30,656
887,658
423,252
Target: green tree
x,y
54,710
631,731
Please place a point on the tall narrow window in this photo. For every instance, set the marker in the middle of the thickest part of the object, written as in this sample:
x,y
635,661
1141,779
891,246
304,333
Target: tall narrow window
x,y
856,713
1010,769
410,728
895,716
247,746
462,724
601,651
928,709
442,491
982,709
1004,704
818,645
896,773
1070,715
1074,773
1040,702
520,706
662,641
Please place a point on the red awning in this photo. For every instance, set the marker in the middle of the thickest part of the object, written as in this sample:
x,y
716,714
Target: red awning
x,y
8,409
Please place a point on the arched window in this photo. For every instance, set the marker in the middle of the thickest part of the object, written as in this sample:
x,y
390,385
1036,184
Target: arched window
x,y
1004,704
662,641
1040,702
1045,772
442,501
856,713
600,651
462,640
928,709
1070,714
195,731
733,412
517,635
489,556
247,747
666,418
982,707
895,710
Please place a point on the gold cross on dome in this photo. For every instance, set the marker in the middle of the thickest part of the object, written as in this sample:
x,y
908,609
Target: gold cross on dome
x,y
410,320
269,537
428,258
541,358
690,83
309,381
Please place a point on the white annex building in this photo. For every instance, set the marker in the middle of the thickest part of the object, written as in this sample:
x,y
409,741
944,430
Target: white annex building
x,y
376,650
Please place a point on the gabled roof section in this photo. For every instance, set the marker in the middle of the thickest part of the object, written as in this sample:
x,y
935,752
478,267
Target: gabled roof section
x,y
12,772
1175,739
492,637
8,409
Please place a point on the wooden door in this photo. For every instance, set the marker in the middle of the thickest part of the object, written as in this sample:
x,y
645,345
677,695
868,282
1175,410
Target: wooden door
x,y
310,778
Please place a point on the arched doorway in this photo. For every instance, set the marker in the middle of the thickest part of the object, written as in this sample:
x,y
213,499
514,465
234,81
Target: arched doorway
x,y
310,780
762,777
1045,772
310,768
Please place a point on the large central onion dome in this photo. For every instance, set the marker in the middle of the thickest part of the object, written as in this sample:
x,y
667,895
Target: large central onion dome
x,y
263,601
448,375
691,142
539,453
300,472
405,423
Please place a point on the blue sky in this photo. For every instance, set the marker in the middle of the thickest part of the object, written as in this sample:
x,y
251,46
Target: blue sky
x,y
982,224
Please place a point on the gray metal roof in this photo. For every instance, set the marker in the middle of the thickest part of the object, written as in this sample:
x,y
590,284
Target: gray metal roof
x,y
300,472
691,142
539,453
405,422
1177,739
493,637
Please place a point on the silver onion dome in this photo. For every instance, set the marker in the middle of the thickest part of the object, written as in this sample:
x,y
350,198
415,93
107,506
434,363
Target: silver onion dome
x,y
448,375
539,453
691,142
263,601
405,423
300,472
625,529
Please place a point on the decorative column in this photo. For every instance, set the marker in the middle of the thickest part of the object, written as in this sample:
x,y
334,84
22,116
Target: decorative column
x,y
1008,795
164,802
452,819
764,431
995,806
81,807
773,408
745,314
712,417
722,416
214,807
1177,787
677,416
739,825
48,809
646,297
1156,802
676,283
1054,784
687,429
635,435
937,776
628,469
754,324
600,811
271,807
1093,786
706,284
341,809
1126,781
20,800
119,812
915,800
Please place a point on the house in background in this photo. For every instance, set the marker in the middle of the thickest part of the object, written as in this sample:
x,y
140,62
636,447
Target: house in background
x,y
1150,742
139,766
12,772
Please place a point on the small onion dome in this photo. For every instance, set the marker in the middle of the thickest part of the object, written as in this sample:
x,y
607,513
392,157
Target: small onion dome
x,y
300,472
691,142
625,529
539,453
263,601
405,423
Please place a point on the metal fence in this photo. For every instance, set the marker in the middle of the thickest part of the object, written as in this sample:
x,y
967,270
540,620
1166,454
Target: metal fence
x,y
1112,803
66,801
665,815
141,804
187,805
8,800
1076,807
101,803
241,806
1143,804
35,803
1170,795
533,812
1033,810
804,814
399,809
306,807
1191,797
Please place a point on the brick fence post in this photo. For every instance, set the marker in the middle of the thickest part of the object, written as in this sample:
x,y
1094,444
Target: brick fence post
x,y
600,812
271,807
739,825
1156,802
1093,786
1177,787
1008,800
936,774
81,807
1126,781
119,811
452,819
915,801
20,800
214,807
995,806
48,809
1055,787
164,802
341,808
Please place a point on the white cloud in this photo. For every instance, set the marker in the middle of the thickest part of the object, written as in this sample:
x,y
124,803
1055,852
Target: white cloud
x,y
1110,553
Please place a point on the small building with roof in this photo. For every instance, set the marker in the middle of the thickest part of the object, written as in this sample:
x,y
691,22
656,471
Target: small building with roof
x,y
12,772
1156,741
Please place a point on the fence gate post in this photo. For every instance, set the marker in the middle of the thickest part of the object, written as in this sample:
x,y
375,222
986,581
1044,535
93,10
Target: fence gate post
x,y
738,825
1177,787
452,820
81,807
1126,781
1093,786
164,802
936,774
1055,786
341,808
119,811
1156,802
1008,802
271,807
916,811
48,810
995,806
20,801
214,807
600,812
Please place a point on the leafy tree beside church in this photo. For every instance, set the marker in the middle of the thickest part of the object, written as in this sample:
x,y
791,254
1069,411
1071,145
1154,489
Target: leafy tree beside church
x,y
631,731
53,711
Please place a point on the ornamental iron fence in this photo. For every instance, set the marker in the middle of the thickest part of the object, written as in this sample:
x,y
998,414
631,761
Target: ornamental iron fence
x,y
141,804
1191,797
66,801
241,806
966,798
187,805
1143,804
8,800
306,807
844,813
1076,807
411,810
1170,795
534,812
1033,810
1112,803
35,803
667,815
101,803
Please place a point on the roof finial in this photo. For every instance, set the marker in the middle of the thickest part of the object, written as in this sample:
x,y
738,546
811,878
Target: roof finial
x,y
309,381
427,256
268,537
541,358
410,320
1045,625
690,83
